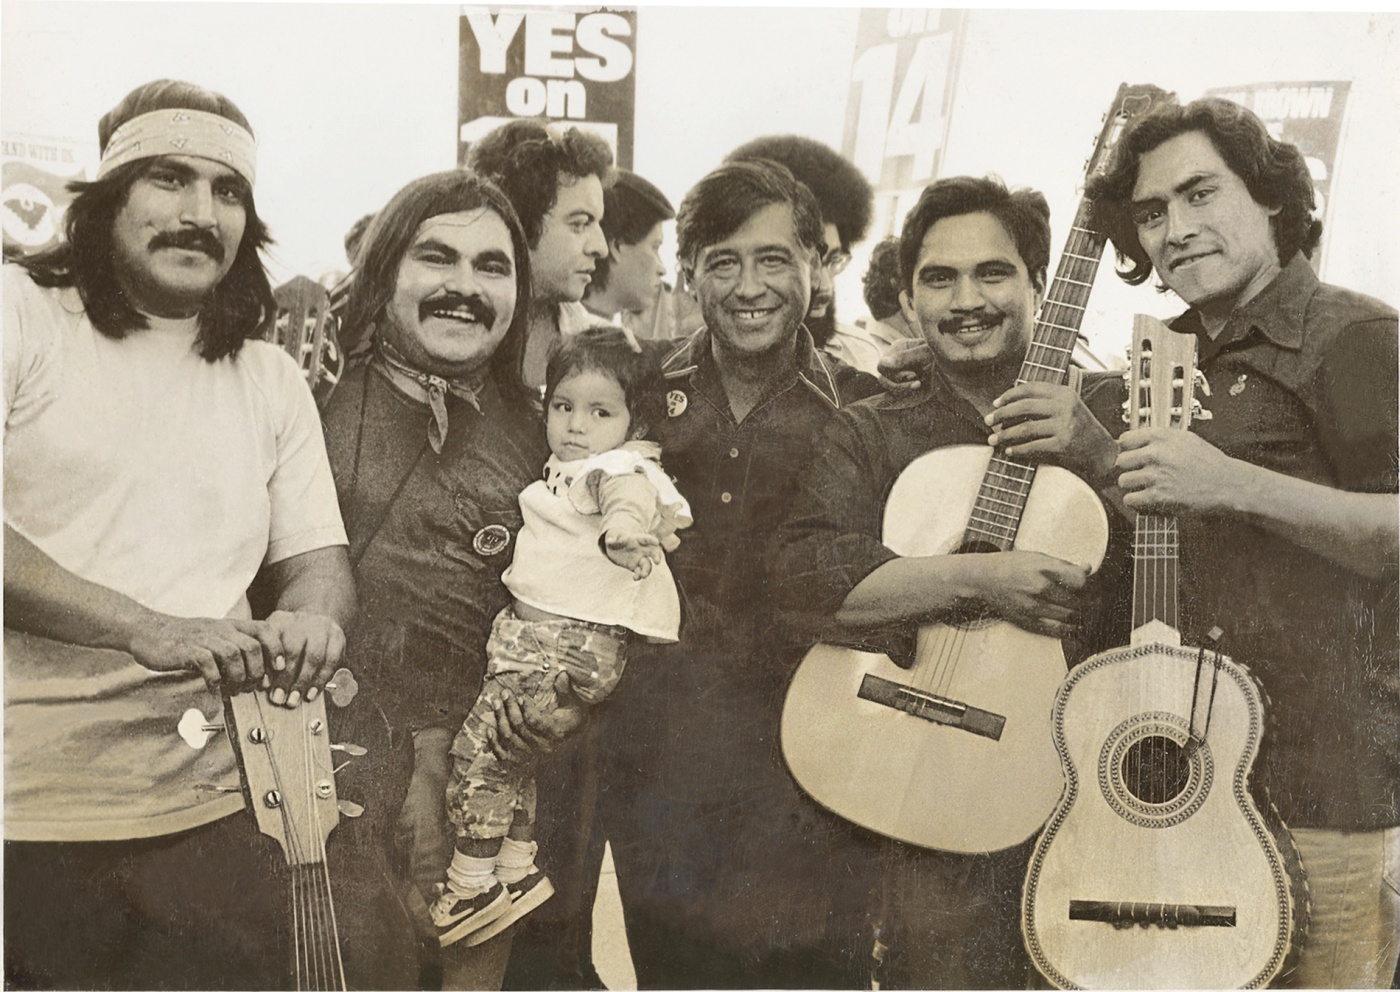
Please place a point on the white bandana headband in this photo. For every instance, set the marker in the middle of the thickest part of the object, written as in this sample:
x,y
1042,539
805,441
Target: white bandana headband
x,y
182,132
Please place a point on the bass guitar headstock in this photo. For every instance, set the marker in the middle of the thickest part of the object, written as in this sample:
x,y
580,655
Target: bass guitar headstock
x,y
286,759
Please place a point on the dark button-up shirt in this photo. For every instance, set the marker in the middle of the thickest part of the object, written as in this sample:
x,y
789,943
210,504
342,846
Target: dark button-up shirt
x,y
1303,382
737,477
430,535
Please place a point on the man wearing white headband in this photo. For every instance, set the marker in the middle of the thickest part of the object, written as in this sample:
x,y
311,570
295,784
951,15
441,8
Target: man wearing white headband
x,y
157,458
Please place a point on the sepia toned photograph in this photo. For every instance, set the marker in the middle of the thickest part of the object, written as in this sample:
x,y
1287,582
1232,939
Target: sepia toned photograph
x,y
565,496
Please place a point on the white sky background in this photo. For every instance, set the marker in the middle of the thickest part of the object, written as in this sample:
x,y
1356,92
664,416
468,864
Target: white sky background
x,y
350,101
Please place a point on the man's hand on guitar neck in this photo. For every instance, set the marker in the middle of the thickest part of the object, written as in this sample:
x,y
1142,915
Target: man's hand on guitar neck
x,y
291,654
1041,422
316,598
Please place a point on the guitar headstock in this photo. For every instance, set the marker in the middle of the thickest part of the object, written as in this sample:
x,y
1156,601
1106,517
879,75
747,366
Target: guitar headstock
x,y
1131,101
288,774
1161,377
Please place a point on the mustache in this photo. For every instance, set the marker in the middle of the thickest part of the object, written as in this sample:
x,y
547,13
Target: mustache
x,y
476,306
190,239
952,325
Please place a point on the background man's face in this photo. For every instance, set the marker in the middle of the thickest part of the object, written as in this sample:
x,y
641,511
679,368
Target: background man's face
x,y
177,234
571,242
821,314
1207,238
972,296
455,294
755,285
635,271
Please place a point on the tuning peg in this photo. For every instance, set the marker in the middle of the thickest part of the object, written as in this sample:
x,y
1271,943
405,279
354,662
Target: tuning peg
x,y
351,809
354,750
195,728
342,687
1199,378
211,787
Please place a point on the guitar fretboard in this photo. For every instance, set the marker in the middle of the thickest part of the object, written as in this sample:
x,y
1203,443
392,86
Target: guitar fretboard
x,y
1155,558
1001,499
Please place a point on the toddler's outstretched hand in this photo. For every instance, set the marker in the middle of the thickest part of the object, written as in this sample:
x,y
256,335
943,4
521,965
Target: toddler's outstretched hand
x,y
634,551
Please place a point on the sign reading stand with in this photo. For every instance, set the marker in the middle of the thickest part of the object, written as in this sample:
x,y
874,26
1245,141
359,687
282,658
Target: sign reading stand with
x,y
574,67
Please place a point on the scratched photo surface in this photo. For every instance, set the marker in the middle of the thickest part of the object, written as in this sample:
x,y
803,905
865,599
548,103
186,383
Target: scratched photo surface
x,y
351,101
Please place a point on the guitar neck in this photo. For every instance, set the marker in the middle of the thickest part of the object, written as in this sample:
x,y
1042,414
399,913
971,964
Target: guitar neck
x,y
1057,328
996,515
1156,585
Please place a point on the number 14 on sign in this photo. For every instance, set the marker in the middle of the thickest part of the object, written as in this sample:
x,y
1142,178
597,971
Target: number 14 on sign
x,y
886,126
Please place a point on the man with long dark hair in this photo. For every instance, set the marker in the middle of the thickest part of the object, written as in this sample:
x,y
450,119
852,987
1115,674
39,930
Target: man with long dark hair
x,y
156,459
432,436
1286,497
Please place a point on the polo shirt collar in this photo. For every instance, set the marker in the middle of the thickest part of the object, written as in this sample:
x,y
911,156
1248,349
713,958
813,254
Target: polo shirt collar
x,y
1277,312
694,358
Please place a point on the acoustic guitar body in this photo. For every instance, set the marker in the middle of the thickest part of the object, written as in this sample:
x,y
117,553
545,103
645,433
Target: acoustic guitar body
x,y
956,757
1157,869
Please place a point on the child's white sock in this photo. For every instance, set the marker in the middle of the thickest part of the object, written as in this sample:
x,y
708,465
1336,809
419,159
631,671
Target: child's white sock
x,y
515,859
470,876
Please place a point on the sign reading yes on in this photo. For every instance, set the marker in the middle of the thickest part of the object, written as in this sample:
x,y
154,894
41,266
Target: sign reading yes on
x,y
573,67
901,100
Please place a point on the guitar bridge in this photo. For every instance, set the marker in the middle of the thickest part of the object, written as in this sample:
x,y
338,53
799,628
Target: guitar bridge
x,y
931,707
1151,914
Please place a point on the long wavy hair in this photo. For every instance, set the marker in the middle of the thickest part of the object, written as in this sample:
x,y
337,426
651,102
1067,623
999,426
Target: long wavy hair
x,y
241,305
1274,172
387,241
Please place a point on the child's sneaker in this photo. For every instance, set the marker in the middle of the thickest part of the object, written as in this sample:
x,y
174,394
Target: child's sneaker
x,y
525,895
456,915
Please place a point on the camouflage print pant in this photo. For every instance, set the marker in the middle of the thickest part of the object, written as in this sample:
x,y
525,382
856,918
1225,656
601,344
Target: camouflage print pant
x,y
485,796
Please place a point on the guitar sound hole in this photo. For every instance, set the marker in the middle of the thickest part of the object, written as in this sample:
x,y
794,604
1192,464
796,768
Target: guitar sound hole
x,y
1156,770
978,546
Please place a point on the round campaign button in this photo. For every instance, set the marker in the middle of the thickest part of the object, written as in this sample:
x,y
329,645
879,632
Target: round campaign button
x,y
676,403
491,540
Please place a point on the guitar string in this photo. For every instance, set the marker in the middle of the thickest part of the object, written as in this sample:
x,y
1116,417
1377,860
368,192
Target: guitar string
x,y
326,943
1047,359
308,938
337,964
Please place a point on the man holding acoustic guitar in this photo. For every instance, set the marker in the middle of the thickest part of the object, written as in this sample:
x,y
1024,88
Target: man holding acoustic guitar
x,y
1286,496
974,258
156,459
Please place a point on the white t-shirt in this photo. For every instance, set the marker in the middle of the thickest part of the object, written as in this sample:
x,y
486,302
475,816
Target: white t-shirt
x,y
140,466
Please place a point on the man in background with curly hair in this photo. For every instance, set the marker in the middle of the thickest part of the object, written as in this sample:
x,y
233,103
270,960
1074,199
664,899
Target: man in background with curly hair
x,y
555,180
846,201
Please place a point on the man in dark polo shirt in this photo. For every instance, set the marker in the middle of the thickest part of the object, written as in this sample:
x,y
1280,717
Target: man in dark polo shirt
x,y
1286,496
726,873
973,258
